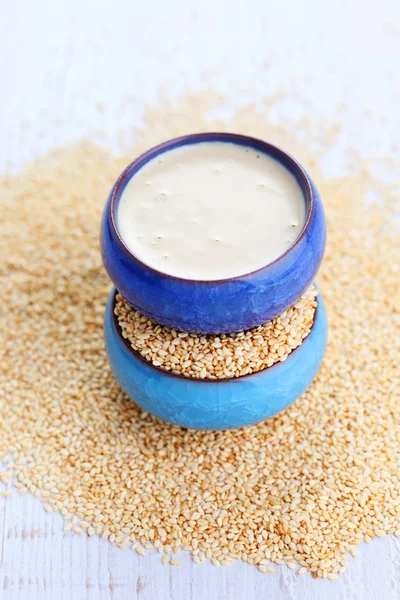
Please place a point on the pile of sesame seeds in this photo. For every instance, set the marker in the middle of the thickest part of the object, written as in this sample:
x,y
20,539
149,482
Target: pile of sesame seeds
x,y
303,488
218,356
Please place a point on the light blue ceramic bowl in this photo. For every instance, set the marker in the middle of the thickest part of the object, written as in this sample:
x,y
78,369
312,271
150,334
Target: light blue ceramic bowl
x,y
214,404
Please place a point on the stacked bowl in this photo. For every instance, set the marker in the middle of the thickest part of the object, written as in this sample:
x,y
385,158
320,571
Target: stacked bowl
x,y
215,307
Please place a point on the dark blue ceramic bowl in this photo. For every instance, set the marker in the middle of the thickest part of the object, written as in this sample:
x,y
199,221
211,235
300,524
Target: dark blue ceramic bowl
x,y
216,306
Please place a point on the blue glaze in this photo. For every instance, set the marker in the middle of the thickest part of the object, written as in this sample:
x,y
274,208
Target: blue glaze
x,y
223,404
216,306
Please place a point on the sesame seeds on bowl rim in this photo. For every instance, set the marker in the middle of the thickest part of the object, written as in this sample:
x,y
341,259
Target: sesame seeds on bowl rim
x,y
217,356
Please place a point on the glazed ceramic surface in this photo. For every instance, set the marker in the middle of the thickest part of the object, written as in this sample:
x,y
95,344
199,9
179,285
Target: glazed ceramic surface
x,y
216,404
216,306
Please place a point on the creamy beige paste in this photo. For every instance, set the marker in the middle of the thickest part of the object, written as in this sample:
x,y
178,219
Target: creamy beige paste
x,y
211,210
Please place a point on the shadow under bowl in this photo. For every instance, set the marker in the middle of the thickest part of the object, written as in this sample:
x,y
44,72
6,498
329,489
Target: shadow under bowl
x,y
227,305
218,403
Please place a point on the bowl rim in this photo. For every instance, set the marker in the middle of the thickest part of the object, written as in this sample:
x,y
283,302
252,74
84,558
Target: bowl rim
x,y
141,358
288,161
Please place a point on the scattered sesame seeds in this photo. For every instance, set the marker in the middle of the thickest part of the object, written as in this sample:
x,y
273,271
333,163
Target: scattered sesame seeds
x,y
218,356
266,569
305,486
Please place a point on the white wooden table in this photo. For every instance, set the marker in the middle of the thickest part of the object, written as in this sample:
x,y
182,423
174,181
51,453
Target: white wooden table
x,y
58,61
